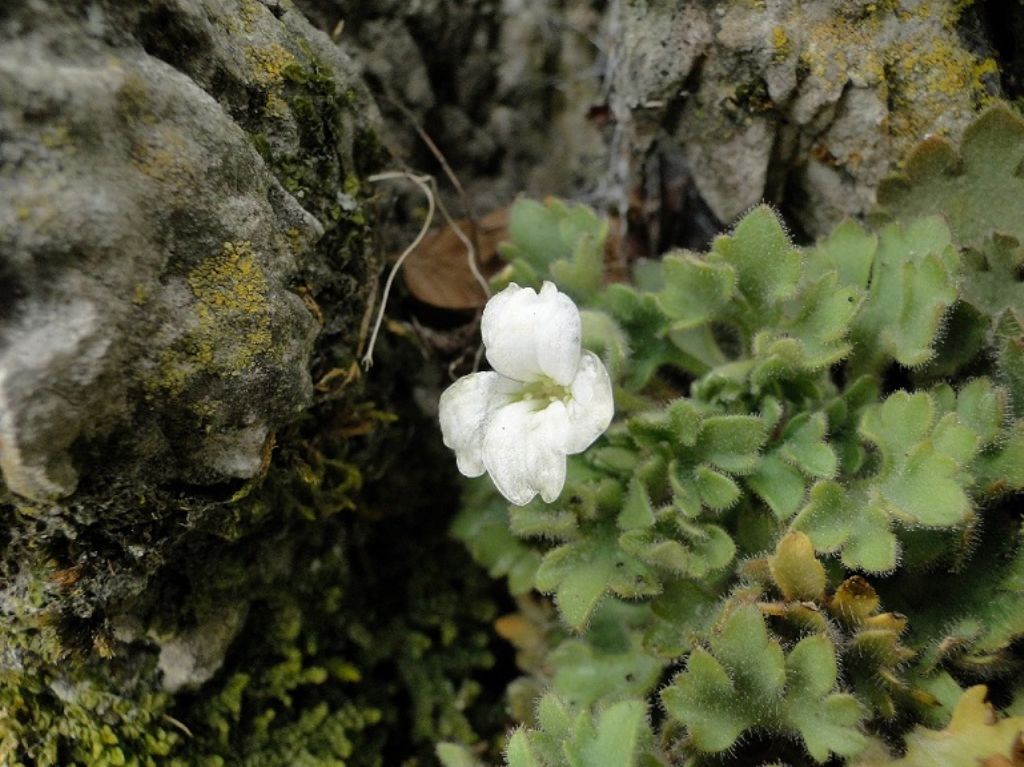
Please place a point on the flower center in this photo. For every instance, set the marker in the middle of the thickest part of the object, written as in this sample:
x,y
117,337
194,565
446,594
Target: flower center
x,y
542,391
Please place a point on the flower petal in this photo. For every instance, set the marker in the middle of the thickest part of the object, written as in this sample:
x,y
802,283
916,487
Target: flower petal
x,y
463,411
592,405
524,450
529,334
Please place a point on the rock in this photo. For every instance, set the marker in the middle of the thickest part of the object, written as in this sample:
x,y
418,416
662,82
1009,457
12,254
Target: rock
x,y
503,87
191,657
182,249
804,105
168,172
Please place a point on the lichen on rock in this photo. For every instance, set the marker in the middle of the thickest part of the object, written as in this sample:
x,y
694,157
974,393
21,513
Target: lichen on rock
x,y
801,104
185,248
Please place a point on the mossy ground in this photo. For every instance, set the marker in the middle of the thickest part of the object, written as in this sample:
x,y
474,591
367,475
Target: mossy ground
x,y
367,635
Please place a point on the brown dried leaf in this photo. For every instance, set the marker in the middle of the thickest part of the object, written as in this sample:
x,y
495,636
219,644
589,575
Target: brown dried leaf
x,y
438,273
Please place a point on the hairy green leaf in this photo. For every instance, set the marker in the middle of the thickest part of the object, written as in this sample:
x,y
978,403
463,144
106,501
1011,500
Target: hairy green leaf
x,y
978,190
913,283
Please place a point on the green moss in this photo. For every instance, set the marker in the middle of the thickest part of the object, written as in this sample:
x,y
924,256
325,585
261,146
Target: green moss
x,y
47,719
367,635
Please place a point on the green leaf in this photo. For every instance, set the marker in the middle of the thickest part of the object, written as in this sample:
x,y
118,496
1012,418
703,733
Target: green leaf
x,y
872,545
802,451
717,491
812,332
744,681
575,737
657,550
978,191
482,525
779,485
558,241
732,442
1010,351
826,722
704,699
554,716
849,250
603,336
803,445
580,276
533,229
827,517
712,550
636,511
992,275
767,265
917,482
614,738
520,752
579,574
685,420
834,519
609,663
539,520
695,290
683,612
913,283
922,478
753,659
639,315
981,407
1003,470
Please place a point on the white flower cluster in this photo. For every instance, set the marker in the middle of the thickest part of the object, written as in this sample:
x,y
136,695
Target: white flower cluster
x,y
545,398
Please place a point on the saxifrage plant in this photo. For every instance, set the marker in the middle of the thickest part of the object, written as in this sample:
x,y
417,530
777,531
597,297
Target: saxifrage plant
x,y
800,537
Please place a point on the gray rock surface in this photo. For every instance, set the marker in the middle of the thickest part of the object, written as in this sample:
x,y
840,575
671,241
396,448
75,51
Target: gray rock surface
x,y
806,105
183,251
680,115
166,171
503,87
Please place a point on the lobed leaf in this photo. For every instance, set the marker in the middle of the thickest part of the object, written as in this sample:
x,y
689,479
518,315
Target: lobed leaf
x,y
614,735
978,190
977,734
744,681
768,268
694,291
482,525
827,721
581,572
913,283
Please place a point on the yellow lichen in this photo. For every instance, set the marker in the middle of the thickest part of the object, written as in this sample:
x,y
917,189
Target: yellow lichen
x,y
930,79
909,53
133,100
163,154
233,324
781,44
296,240
231,296
269,63
249,11
955,11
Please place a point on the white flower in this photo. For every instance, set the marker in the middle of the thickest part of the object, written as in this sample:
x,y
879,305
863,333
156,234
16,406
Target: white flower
x,y
544,400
